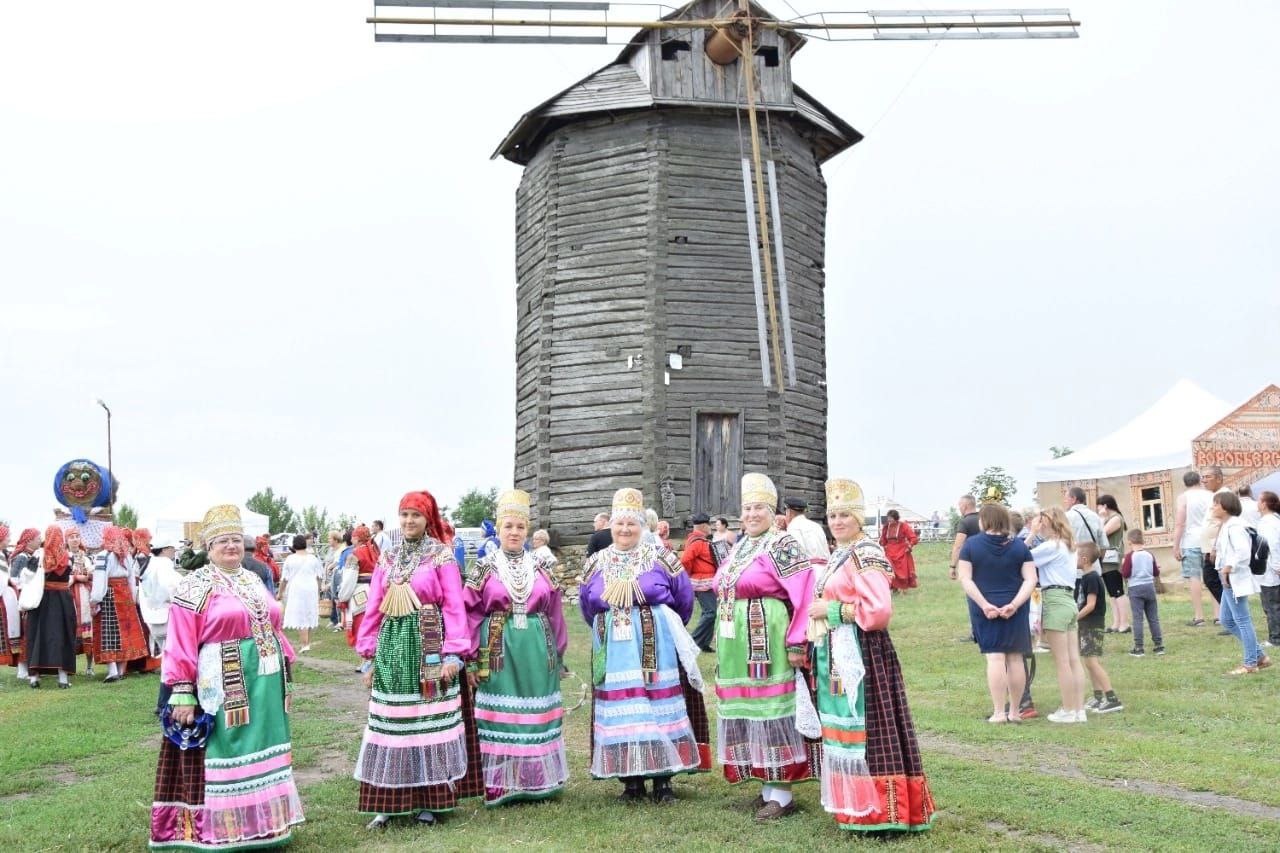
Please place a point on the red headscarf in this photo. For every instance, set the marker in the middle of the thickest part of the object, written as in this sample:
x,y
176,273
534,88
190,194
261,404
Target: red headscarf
x,y
361,535
425,504
25,538
55,560
262,550
4,532
128,536
142,540
115,542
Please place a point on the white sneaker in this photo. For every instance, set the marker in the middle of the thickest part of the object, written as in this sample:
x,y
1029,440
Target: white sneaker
x,y
1062,716
1081,716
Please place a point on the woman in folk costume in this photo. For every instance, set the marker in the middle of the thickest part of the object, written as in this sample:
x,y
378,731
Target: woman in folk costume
x,y
22,566
118,638
357,573
141,540
225,656
262,553
648,720
517,625
419,752
872,775
897,538
51,627
763,591
10,616
81,593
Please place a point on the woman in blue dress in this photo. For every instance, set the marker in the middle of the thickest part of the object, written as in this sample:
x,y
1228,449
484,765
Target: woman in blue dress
x,y
998,574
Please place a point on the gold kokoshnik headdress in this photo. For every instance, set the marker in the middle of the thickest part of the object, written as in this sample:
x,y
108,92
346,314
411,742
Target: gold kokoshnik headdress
x,y
224,518
513,503
628,503
845,496
759,489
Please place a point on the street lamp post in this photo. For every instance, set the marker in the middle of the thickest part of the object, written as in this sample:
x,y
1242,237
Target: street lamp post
x,y
111,498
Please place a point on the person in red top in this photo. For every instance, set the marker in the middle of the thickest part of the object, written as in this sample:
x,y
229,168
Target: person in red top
x,y
262,552
700,563
898,538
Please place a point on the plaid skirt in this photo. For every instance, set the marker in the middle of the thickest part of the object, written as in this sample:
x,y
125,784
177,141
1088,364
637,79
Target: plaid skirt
x,y
117,629
893,753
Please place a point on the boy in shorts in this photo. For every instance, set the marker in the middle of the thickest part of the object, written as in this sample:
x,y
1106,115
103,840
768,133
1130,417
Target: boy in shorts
x,y
1091,611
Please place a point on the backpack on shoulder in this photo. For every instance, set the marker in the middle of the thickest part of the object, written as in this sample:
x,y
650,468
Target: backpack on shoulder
x,y
1259,552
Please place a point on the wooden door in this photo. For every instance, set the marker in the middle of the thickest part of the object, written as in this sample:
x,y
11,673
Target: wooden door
x,y
717,463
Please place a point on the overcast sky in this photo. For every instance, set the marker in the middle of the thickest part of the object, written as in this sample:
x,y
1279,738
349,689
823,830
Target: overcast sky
x,y
280,252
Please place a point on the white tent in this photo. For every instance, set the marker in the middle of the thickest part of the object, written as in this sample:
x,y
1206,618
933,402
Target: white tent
x,y
170,522
1159,439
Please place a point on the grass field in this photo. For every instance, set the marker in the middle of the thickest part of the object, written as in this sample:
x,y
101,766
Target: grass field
x,y
1189,765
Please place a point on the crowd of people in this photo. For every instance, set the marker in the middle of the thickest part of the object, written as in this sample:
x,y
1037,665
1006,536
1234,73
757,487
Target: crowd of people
x,y
1048,575
463,660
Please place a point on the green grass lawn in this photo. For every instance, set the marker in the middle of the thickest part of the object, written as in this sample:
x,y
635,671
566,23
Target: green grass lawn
x,y
1190,764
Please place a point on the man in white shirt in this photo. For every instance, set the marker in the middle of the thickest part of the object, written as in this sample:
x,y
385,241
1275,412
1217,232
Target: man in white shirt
x,y
1212,479
807,532
1085,523
380,537
1249,513
1193,508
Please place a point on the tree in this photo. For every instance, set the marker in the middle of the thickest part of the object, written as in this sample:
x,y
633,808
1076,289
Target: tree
x,y
994,483
126,516
1059,452
474,507
280,516
344,522
315,520
953,520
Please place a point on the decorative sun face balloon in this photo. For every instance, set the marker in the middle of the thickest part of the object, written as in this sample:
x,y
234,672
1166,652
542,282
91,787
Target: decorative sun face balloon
x,y
81,485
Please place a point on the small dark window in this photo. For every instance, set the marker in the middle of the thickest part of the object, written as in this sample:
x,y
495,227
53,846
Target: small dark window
x,y
770,56
670,49
684,350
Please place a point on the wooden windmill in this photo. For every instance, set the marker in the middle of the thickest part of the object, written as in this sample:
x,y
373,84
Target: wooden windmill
x,y
670,247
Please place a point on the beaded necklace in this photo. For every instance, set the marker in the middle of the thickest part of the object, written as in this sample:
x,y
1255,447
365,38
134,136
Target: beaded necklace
x,y
621,587
517,574
743,553
399,599
249,591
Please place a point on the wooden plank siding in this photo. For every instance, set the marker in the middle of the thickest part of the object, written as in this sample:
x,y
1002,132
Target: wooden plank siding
x,y
631,241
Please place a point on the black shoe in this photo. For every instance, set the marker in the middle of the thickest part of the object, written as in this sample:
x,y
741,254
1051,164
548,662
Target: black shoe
x,y
426,819
63,685
1137,653
662,793
35,683
632,792
111,679
1159,650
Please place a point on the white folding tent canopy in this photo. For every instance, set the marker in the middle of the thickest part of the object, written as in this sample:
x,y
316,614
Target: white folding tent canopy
x,y
170,522
1159,439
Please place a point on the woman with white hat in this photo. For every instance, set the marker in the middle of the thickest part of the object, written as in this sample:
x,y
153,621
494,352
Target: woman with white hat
x,y
872,775
517,626
648,720
763,592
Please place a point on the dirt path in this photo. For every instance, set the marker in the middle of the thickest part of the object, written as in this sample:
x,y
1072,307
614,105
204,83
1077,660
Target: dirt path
x,y
345,705
1066,770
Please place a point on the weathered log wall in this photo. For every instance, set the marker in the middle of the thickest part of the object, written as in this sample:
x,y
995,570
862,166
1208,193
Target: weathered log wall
x,y
631,242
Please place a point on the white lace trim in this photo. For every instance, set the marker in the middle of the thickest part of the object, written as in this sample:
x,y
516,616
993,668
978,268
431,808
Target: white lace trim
x,y
520,703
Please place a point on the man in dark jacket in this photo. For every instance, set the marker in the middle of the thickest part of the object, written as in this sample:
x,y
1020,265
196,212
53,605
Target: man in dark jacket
x,y
603,537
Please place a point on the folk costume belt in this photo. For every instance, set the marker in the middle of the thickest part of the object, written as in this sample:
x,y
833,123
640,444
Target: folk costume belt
x,y
55,585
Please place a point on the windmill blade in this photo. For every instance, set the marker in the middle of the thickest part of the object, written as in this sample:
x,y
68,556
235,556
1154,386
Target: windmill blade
x,y
513,21
935,24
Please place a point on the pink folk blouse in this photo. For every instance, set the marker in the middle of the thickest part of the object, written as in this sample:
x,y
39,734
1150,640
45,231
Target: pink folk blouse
x,y
223,618
440,585
760,580
493,596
